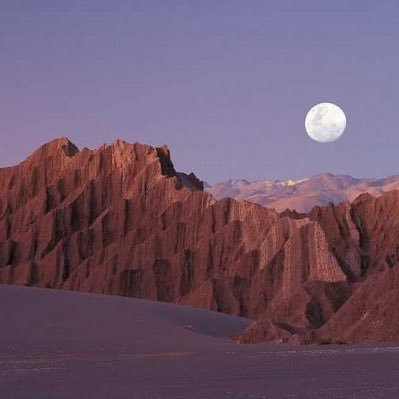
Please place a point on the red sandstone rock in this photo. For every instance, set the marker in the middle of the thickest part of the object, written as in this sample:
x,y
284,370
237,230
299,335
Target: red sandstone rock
x,y
120,220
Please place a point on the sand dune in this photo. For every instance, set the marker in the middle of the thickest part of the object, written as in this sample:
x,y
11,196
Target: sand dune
x,y
57,344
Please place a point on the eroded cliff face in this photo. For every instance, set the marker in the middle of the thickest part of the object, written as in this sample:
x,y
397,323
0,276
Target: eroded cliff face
x,y
120,220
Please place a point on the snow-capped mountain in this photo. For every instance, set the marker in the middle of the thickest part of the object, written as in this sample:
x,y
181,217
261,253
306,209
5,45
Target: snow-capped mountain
x,y
302,194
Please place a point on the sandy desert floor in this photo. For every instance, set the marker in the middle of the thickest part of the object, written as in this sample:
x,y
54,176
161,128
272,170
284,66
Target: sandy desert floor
x,y
59,345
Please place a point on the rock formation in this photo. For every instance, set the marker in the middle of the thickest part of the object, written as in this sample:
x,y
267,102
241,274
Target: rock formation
x,y
120,220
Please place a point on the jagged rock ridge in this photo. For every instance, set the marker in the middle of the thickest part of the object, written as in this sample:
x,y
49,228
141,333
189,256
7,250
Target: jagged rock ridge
x,y
120,220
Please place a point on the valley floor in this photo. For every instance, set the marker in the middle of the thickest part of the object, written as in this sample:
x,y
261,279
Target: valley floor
x,y
68,345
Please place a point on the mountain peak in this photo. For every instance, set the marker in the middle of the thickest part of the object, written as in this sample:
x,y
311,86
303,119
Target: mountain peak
x,y
303,194
59,147
59,144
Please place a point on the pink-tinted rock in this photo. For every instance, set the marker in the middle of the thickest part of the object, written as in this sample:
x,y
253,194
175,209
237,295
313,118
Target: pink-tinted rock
x,y
120,220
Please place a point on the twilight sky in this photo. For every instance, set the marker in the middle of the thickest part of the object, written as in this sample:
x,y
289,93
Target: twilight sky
x,y
225,83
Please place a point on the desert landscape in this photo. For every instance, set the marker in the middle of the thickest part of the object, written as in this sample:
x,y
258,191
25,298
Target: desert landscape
x,y
120,220
199,199
75,345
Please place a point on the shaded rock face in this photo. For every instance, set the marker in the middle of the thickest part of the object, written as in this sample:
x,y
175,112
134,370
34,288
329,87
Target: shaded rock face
x,y
363,238
362,234
120,220
370,314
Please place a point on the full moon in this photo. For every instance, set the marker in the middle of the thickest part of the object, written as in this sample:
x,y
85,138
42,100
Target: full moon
x,y
325,122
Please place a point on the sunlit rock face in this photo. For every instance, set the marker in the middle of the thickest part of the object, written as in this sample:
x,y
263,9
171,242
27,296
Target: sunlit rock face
x,y
120,220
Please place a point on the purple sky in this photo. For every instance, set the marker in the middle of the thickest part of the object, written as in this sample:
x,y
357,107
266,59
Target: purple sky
x,y
226,84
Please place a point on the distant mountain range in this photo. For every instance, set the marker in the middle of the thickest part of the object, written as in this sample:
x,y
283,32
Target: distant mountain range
x,y
303,194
